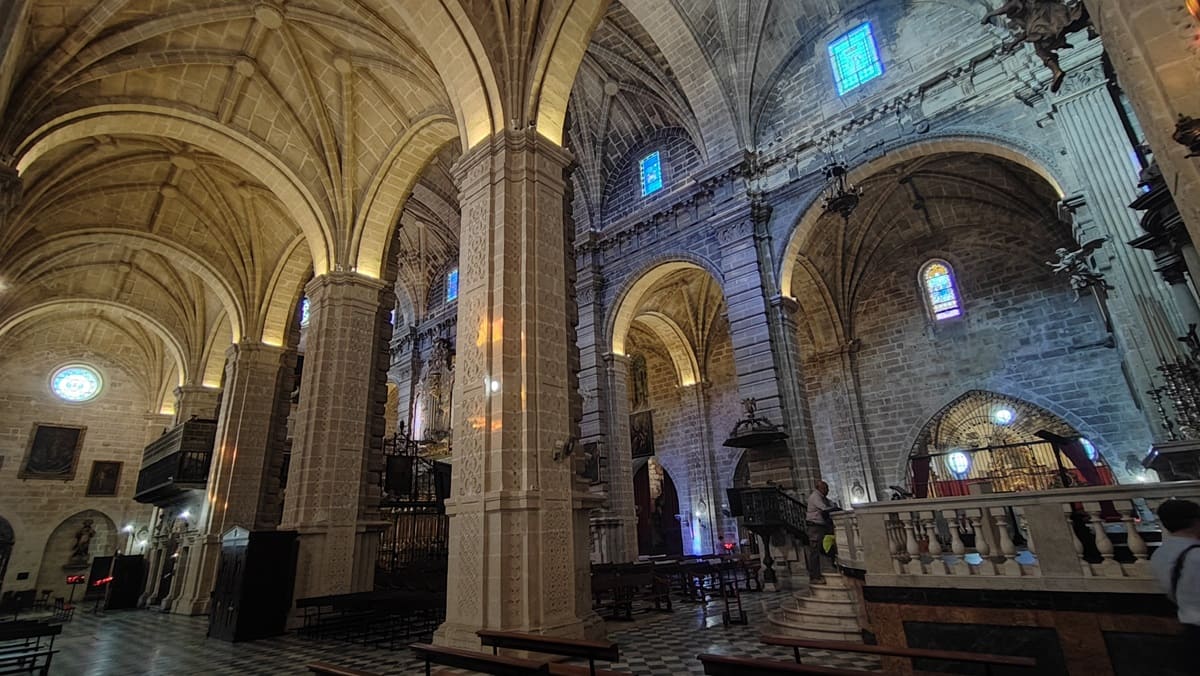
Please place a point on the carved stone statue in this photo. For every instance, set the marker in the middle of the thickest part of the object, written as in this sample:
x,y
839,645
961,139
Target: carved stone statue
x,y
436,385
640,382
83,543
1076,264
1044,24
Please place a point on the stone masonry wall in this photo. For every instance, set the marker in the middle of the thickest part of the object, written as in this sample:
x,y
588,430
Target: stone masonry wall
x,y
117,429
1022,334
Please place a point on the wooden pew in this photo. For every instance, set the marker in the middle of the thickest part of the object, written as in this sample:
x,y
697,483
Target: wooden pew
x,y
22,649
479,662
326,669
723,665
566,647
985,659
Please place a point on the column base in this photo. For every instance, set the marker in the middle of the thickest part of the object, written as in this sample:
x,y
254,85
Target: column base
x,y
201,576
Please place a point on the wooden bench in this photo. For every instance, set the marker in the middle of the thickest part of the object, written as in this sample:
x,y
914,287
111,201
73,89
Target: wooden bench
x,y
27,647
723,665
326,669
549,645
985,659
478,662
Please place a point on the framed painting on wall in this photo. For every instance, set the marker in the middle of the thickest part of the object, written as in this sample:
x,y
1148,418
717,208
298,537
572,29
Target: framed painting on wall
x,y
53,452
641,433
105,477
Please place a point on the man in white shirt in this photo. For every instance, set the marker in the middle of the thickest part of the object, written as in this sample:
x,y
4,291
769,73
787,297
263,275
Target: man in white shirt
x,y
1176,563
818,523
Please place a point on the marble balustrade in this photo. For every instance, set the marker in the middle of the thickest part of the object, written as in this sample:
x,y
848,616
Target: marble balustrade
x,y
1096,539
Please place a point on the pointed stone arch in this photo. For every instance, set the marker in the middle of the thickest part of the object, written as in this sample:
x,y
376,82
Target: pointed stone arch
x,y
949,145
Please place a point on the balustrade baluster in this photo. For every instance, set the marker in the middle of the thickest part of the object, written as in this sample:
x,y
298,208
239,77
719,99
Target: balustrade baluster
x,y
912,544
1008,549
983,546
1137,545
1108,567
894,548
857,539
959,566
937,566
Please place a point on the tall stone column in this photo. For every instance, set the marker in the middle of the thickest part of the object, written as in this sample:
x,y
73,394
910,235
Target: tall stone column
x,y
792,388
1103,156
621,527
758,375
1152,45
518,529
243,476
196,401
702,472
333,489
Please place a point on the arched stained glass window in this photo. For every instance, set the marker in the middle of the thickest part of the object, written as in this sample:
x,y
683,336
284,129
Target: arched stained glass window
x,y
941,294
452,285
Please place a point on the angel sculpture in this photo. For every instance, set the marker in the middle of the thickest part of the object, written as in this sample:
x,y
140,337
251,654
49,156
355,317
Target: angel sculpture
x,y
1044,24
1076,264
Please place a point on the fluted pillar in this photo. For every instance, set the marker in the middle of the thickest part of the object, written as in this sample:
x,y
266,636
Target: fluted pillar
x,y
1101,151
333,491
244,475
518,520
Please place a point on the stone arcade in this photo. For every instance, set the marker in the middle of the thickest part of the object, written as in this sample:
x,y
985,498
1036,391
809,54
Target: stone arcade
x,y
442,313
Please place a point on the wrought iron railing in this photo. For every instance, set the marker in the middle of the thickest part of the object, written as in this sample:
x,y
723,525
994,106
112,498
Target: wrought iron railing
x,y
416,539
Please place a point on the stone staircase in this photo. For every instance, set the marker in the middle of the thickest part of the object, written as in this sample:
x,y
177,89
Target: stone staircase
x,y
818,612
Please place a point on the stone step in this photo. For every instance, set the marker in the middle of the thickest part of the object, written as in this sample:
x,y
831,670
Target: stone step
x,y
802,608
825,592
782,626
803,619
837,607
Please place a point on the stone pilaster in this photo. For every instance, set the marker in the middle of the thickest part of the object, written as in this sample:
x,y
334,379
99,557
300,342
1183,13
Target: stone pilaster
x,y
1096,138
196,401
333,488
518,525
241,472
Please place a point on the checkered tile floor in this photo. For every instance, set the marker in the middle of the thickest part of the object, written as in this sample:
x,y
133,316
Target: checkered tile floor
x,y
132,643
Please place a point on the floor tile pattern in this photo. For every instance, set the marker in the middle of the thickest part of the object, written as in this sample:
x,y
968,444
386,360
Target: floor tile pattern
x,y
133,643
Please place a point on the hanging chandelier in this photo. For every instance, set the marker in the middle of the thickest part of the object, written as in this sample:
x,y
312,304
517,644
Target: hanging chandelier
x,y
840,195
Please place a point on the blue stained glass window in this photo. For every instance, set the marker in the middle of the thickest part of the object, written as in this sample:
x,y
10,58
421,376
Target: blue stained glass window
x,y
940,291
75,383
452,285
304,311
652,178
855,59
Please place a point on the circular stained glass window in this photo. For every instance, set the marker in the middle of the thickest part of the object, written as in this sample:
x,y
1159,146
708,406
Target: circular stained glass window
x,y
76,383
959,463
1003,416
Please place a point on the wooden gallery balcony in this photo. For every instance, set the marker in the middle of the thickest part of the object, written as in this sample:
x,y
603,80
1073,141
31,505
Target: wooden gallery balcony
x,y
177,461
